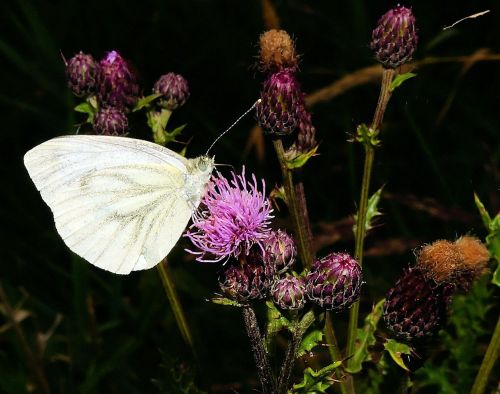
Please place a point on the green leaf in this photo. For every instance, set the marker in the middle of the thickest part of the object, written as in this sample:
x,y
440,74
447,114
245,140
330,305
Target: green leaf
x,y
366,338
316,381
396,82
482,211
145,101
396,349
309,342
225,301
301,159
275,322
372,210
87,108
177,131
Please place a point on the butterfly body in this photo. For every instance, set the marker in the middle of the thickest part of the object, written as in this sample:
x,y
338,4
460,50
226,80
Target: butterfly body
x,y
120,203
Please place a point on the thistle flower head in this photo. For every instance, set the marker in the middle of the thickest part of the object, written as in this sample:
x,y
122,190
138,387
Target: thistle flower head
x,y
395,38
174,90
244,280
110,121
234,216
278,112
81,73
280,251
416,306
116,82
334,282
277,51
289,292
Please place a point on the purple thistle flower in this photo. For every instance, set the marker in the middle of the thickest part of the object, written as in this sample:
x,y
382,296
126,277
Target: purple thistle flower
x,y
235,215
174,90
81,73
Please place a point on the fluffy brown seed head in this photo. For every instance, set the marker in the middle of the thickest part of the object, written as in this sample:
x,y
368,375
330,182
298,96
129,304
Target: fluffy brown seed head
x,y
475,254
277,51
441,260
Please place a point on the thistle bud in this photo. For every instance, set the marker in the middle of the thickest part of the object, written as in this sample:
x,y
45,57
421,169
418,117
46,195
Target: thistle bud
x,y
278,112
280,251
277,51
416,306
289,292
81,73
245,281
110,121
174,90
334,282
116,83
395,38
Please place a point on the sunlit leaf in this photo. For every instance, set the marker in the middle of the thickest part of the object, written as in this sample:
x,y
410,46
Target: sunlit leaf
x,y
309,342
145,101
275,322
301,159
371,210
225,301
396,349
398,81
316,381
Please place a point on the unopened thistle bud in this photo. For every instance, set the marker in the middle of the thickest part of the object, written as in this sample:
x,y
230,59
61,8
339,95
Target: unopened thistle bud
x,y
81,73
111,121
174,90
280,251
395,38
245,281
278,112
334,282
116,83
277,51
289,293
416,306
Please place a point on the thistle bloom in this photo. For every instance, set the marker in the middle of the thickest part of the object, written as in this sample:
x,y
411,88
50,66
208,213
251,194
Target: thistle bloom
x,y
81,74
234,216
289,292
395,38
280,251
116,82
174,90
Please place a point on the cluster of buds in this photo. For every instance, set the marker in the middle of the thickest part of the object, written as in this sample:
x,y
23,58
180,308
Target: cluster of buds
x,y
417,305
282,108
113,84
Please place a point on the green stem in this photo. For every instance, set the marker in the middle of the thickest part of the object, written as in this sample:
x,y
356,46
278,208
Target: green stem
x,y
33,360
488,362
264,371
298,212
385,94
173,299
335,353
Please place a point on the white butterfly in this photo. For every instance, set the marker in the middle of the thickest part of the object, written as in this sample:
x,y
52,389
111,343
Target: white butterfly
x,y
120,203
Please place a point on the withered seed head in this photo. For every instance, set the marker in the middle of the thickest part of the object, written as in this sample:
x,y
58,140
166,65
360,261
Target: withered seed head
x,y
277,51
475,254
441,260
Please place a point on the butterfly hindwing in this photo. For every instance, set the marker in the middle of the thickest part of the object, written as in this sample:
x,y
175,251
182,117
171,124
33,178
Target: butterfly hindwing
x,y
117,202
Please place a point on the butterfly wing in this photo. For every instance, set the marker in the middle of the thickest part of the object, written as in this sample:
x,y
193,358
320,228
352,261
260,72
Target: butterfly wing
x,y
117,202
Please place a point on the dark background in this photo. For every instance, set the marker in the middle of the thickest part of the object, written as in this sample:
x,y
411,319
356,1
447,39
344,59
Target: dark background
x,y
107,332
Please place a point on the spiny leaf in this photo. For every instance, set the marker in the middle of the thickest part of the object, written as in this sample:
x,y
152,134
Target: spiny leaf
x,y
316,381
396,349
371,210
366,338
309,342
275,322
301,159
225,301
396,82
87,108
482,211
145,101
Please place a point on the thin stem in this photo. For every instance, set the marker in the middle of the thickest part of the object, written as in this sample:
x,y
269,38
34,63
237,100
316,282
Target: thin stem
x,y
33,360
175,304
488,362
385,94
298,330
266,377
297,214
334,350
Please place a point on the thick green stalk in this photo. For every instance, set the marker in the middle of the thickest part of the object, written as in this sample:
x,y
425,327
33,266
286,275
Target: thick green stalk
x,y
175,304
297,212
488,363
385,94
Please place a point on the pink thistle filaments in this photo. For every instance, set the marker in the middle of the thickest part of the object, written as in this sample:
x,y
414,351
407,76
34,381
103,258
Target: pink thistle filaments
x,y
234,216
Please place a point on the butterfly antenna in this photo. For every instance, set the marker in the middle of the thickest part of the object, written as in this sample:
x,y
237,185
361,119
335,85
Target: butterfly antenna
x,y
234,124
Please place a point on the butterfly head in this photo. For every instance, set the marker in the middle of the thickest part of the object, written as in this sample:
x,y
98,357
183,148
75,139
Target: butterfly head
x,y
204,165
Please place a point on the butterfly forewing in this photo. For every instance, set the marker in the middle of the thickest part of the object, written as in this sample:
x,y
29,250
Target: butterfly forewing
x,y
117,202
